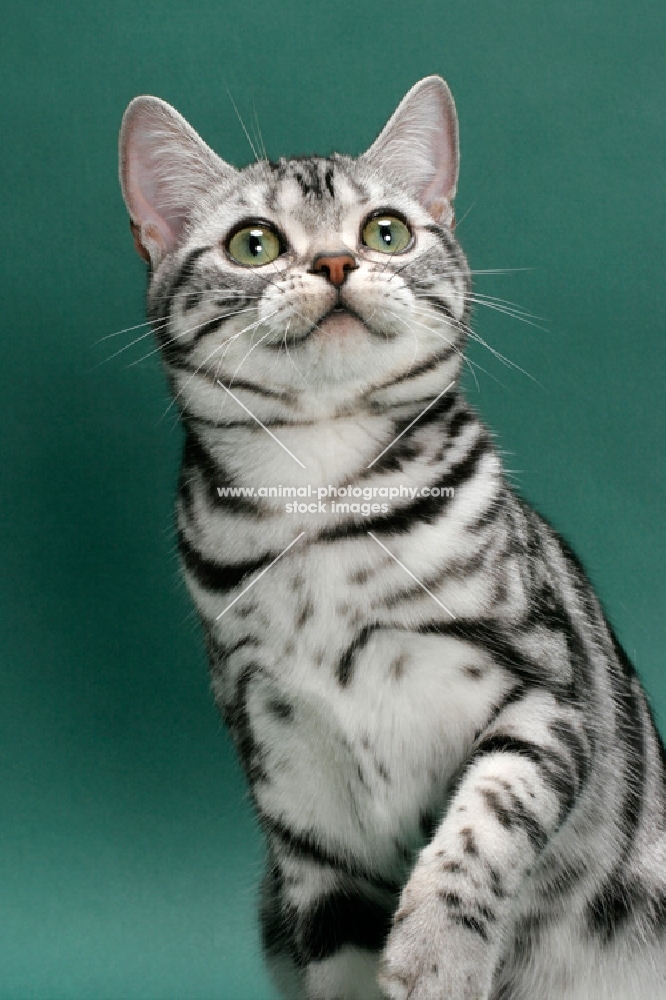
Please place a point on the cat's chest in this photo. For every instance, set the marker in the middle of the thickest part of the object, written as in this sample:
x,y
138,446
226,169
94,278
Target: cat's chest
x,y
352,723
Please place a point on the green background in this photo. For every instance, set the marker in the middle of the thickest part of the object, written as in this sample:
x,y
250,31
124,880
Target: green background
x,y
128,853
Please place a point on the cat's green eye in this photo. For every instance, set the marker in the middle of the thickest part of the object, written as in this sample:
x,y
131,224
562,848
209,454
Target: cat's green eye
x,y
386,233
254,245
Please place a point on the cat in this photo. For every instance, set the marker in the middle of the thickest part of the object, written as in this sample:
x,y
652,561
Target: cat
x,y
454,765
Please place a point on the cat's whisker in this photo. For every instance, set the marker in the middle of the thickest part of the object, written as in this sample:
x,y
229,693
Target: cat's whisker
x,y
468,361
172,340
500,357
242,124
117,333
312,325
510,315
411,330
261,144
501,270
465,360
288,353
415,260
219,347
192,329
126,347
470,332
247,354
460,221
158,322
206,295
509,309
507,302
268,281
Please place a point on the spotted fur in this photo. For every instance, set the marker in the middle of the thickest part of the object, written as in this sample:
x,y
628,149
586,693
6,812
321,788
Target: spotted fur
x,y
461,787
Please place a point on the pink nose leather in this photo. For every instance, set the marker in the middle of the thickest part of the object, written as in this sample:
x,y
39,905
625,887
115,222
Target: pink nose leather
x,y
334,266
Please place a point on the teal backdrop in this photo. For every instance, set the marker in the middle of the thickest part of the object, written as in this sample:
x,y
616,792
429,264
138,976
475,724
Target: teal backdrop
x,y
128,852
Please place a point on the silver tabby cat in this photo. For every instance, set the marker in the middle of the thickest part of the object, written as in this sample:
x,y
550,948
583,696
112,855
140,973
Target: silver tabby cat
x,y
455,767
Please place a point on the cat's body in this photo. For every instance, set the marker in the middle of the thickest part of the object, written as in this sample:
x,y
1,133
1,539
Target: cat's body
x,y
471,767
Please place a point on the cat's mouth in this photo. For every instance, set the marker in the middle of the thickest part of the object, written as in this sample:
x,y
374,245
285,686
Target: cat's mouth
x,y
340,320
337,311
338,323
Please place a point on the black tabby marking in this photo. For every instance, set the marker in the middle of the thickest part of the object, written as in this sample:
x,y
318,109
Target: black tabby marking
x,y
214,576
338,919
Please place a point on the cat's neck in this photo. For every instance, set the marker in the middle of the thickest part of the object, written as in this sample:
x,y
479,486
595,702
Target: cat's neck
x,y
357,447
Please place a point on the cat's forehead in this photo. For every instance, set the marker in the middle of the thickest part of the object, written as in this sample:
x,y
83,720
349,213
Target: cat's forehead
x,y
315,185
313,192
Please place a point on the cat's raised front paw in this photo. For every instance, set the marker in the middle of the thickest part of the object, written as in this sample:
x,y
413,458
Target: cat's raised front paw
x,y
429,957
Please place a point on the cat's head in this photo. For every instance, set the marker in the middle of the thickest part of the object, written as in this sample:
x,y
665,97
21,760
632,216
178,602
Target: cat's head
x,y
328,280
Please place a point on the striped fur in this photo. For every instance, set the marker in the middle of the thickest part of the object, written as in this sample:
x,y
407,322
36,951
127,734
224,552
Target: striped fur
x,y
466,803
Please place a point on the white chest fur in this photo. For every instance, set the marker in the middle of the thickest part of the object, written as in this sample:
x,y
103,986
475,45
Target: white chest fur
x,y
361,764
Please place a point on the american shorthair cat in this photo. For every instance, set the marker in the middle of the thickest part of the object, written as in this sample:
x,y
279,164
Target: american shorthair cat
x,y
460,784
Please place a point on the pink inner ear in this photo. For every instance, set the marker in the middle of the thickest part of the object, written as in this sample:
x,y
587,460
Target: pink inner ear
x,y
138,245
153,233
442,212
440,112
420,142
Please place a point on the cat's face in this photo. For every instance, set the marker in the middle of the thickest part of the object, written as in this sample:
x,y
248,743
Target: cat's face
x,y
321,279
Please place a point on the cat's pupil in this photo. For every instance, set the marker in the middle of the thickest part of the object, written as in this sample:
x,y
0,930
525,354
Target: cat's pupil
x,y
385,232
255,245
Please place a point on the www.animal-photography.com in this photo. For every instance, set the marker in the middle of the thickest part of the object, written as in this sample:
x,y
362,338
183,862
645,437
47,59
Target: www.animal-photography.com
x,y
332,646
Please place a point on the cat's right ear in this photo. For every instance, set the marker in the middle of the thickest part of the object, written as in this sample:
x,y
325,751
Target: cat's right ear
x,y
165,169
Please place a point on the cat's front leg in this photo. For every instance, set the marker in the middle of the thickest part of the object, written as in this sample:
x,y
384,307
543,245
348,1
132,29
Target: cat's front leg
x,y
322,927
455,912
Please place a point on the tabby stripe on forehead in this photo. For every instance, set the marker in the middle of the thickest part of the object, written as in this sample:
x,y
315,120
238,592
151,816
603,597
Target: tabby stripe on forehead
x,y
310,184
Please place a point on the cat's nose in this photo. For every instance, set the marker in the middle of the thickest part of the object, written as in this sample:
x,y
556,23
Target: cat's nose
x,y
334,266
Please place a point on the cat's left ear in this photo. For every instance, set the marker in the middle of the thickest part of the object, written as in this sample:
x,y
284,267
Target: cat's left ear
x,y
420,144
